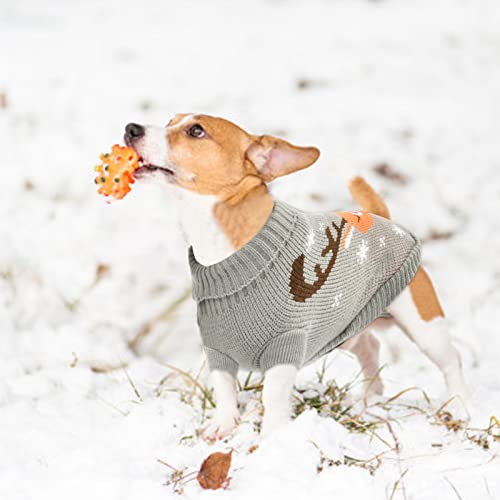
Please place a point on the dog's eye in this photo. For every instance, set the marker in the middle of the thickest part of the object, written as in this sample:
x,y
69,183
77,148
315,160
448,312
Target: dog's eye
x,y
196,131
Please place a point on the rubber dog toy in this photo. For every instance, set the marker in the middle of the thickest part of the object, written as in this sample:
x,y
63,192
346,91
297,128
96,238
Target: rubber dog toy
x,y
114,174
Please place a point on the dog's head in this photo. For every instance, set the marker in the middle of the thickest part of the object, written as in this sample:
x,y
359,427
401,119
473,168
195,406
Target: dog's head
x,y
213,156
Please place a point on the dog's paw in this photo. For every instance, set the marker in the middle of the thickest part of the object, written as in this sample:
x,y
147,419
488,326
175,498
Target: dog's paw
x,y
220,426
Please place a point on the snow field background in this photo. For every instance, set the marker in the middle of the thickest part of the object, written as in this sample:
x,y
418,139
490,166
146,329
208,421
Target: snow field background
x,y
410,84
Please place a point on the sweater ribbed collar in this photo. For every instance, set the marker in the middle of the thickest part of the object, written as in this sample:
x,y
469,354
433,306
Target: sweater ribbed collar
x,y
246,264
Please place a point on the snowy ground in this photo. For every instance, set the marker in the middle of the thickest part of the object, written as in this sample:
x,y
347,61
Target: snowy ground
x,y
412,84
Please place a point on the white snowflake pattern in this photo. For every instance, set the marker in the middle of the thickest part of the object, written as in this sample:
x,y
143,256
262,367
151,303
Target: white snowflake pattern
x,y
382,242
348,239
336,300
362,253
310,241
398,230
321,226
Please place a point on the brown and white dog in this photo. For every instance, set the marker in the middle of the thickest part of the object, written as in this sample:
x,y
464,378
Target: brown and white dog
x,y
221,173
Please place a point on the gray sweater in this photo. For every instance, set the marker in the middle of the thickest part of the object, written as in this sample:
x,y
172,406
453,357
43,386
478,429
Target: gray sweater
x,y
302,286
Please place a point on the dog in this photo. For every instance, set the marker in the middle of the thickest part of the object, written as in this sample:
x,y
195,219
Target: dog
x,y
220,174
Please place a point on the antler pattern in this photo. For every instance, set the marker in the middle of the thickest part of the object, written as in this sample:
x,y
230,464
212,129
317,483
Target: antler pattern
x,y
300,289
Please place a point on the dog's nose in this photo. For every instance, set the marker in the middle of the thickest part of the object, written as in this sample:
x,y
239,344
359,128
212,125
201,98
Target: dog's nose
x,y
134,131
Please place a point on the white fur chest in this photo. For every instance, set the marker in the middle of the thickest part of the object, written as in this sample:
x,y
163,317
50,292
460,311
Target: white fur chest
x,y
200,227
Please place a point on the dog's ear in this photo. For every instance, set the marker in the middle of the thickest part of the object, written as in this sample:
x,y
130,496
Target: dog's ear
x,y
274,157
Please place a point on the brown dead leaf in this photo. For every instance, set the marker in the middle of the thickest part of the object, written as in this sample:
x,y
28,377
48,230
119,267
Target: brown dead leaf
x,y
213,471
304,83
385,170
445,418
311,83
3,100
316,197
436,234
74,361
101,271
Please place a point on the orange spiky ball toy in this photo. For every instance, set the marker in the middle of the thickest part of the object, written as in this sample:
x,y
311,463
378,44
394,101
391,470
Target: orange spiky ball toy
x,y
115,172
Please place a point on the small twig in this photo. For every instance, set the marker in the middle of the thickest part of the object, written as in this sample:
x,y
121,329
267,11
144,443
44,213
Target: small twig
x,y
167,465
397,446
398,455
178,479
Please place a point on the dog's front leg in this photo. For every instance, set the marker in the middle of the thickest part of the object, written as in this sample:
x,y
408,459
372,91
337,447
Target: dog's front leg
x,y
276,396
226,413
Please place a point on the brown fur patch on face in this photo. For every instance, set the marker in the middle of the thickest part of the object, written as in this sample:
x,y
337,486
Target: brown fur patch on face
x,y
211,164
424,296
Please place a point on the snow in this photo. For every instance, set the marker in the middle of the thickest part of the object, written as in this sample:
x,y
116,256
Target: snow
x,y
362,252
411,84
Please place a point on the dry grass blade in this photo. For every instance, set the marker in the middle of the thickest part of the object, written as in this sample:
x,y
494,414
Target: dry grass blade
x,y
482,437
360,426
404,391
453,488
145,329
330,400
248,386
494,423
187,376
396,484
370,464
134,388
107,368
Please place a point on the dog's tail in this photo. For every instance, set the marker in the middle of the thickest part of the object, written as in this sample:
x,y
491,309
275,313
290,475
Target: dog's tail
x,y
367,198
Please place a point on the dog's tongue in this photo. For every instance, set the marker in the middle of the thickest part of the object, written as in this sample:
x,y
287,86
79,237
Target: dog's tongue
x,y
141,171
115,173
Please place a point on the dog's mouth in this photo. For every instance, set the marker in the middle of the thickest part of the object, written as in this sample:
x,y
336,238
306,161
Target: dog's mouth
x,y
148,168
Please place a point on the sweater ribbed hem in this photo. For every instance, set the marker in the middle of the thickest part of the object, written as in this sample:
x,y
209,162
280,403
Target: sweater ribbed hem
x,y
220,361
286,349
244,266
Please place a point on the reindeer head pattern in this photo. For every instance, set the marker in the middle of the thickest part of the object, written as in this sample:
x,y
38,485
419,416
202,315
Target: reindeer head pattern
x,y
300,289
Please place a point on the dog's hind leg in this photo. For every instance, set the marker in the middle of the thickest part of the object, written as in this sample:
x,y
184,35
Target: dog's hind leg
x,y
365,346
419,314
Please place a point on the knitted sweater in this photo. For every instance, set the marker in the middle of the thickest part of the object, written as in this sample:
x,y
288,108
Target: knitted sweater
x,y
302,286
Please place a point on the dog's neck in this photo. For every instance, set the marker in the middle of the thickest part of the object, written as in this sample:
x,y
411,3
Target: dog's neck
x,y
216,229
